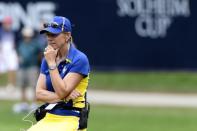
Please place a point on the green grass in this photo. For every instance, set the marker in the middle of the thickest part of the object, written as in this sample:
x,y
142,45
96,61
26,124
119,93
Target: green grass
x,y
109,118
3,79
145,81
10,121
160,81
115,118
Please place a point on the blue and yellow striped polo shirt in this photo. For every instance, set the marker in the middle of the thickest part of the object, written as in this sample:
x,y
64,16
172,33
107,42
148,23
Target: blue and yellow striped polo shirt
x,y
76,61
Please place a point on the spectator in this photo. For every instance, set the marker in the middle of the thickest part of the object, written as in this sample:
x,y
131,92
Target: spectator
x,y
8,55
28,52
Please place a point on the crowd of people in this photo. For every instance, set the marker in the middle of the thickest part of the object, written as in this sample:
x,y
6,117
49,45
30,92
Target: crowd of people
x,y
21,53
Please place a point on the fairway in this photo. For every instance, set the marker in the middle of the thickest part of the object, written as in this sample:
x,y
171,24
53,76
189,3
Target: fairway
x,y
147,81
115,118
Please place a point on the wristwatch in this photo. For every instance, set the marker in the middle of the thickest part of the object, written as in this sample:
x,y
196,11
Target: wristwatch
x,y
52,67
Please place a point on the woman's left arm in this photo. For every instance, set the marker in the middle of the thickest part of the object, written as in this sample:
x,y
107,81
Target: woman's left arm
x,y
63,87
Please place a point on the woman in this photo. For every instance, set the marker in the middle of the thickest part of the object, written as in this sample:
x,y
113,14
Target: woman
x,y
64,77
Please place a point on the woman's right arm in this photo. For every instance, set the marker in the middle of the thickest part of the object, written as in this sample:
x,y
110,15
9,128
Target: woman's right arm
x,y
42,94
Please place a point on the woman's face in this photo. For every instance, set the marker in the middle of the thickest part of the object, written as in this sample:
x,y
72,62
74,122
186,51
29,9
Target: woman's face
x,y
57,41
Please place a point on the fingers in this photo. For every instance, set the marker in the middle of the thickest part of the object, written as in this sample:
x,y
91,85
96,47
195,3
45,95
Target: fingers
x,y
49,47
47,50
50,54
74,94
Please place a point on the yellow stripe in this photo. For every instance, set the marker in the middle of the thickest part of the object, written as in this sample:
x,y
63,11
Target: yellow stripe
x,y
81,88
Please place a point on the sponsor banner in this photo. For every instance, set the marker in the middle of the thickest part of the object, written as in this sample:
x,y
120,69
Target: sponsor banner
x,y
131,34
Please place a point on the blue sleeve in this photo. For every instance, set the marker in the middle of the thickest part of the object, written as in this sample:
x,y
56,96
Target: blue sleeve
x,y
81,66
44,67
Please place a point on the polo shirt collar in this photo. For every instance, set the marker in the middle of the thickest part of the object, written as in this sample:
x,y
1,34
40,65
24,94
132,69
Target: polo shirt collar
x,y
70,55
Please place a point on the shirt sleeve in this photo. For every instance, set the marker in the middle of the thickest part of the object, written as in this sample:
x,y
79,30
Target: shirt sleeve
x,y
44,67
81,66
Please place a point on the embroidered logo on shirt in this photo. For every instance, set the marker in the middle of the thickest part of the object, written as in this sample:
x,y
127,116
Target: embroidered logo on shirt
x,y
47,71
64,70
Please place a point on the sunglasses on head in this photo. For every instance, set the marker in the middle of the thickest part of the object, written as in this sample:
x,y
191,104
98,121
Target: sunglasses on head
x,y
55,24
52,24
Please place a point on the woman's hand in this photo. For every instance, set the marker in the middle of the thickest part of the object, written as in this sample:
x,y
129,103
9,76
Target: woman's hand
x,y
73,95
50,55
